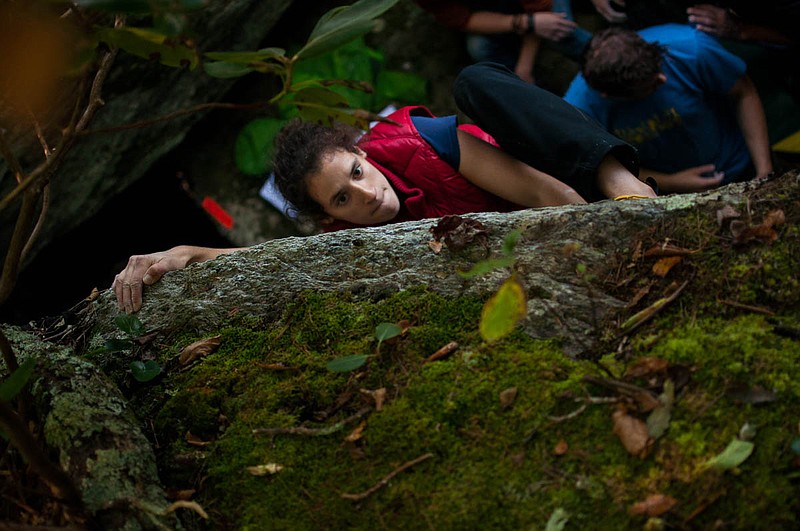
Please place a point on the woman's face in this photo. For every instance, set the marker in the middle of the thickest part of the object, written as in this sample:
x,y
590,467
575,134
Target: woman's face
x,y
349,188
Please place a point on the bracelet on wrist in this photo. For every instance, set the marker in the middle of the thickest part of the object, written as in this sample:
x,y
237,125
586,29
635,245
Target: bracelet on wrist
x,y
531,25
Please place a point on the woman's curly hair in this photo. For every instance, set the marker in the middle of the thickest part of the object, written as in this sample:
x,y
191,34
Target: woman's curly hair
x,y
621,64
299,150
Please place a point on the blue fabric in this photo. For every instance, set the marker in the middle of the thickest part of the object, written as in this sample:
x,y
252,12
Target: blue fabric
x,y
440,133
689,120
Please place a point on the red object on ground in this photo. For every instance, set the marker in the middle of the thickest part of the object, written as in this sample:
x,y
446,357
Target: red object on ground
x,y
217,212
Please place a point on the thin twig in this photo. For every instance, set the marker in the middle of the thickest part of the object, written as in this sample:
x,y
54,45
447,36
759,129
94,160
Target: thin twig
x,y
442,352
40,135
37,229
382,483
300,430
656,310
77,123
568,416
19,237
742,306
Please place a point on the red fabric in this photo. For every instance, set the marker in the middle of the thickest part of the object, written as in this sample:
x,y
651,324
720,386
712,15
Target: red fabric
x,y
426,185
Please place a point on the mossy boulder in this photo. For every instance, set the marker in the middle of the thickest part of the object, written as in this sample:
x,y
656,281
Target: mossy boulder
x,y
658,333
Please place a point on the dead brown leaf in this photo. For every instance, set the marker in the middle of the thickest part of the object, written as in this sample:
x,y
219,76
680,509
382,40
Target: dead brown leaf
x,y
774,218
507,397
561,447
632,433
646,367
378,395
458,232
199,349
644,290
653,505
435,246
666,249
357,432
663,265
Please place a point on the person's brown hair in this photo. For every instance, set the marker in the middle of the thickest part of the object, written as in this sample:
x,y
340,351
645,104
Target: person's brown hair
x,y
621,64
299,150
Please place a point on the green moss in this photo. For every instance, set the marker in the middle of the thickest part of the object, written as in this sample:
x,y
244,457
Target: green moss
x,y
493,466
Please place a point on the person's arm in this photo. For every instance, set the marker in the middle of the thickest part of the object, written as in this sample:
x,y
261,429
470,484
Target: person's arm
x,y
753,123
719,22
149,268
688,180
527,58
616,181
499,173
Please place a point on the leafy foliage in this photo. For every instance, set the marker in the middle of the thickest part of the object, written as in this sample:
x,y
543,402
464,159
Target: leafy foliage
x,y
12,385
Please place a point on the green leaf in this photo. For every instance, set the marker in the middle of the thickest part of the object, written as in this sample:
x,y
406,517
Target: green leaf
x,y
326,106
145,371
12,385
150,44
734,455
485,266
386,331
347,363
245,58
343,24
254,145
117,345
503,311
223,70
129,323
558,519
510,242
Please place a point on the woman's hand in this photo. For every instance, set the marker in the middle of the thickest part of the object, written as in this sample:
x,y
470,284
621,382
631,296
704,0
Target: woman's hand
x,y
147,269
689,180
608,12
553,26
714,20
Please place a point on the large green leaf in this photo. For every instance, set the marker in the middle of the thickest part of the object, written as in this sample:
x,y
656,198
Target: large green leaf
x,y
347,363
12,385
265,54
732,456
386,331
503,311
325,106
343,24
348,70
254,145
129,323
144,371
150,44
485,266
223,70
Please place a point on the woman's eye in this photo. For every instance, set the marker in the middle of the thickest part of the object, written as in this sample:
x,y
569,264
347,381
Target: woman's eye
x,y
357,171
341,199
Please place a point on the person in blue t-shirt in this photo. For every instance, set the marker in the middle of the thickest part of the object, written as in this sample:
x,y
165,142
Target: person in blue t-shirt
x,y
681,99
